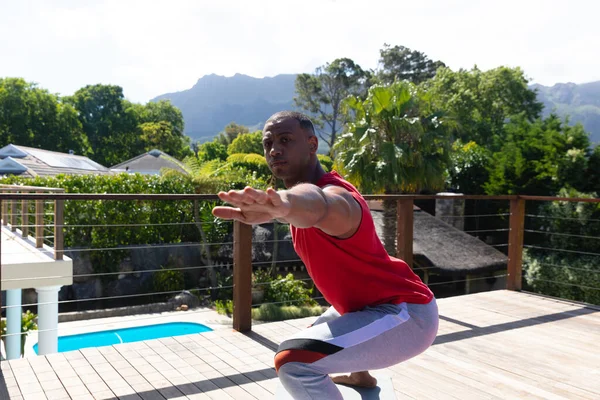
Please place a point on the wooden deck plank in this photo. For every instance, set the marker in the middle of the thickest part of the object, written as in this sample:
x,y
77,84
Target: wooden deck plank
x,y
492,345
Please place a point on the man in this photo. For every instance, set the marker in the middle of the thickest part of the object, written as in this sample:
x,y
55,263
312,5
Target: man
x,y
381,312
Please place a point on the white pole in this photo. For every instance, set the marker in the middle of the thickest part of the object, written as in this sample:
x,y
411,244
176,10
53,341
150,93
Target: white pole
x,y
13,324
48,319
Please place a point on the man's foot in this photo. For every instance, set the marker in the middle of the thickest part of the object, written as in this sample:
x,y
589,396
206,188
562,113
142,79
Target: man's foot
x,y
360,379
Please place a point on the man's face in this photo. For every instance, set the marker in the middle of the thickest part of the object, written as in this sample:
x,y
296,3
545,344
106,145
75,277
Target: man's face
x,y
287,148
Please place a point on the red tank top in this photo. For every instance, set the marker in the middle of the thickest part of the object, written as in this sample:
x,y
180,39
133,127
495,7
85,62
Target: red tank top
x,y
356,272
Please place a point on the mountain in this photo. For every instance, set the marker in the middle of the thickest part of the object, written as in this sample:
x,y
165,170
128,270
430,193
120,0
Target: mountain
x,y
214,101
580,102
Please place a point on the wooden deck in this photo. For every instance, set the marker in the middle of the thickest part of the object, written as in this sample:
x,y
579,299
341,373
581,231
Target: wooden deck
x,y
494,345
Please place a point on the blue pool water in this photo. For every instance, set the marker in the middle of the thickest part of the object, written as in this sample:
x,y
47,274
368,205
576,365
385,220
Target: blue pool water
x,y
127,335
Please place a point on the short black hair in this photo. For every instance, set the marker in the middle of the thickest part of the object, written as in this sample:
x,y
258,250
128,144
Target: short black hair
x,y
305,122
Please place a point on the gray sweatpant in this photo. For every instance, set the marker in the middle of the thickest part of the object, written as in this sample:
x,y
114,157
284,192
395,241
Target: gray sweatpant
x,y
373,338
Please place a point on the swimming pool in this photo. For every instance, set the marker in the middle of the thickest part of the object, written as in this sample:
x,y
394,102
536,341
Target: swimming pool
x,y
127,335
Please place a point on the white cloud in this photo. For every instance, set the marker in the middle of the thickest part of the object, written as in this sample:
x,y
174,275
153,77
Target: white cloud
x,y
153,47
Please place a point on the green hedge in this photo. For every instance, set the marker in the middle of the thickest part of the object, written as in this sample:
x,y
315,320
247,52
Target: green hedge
x,y
250,162
85,221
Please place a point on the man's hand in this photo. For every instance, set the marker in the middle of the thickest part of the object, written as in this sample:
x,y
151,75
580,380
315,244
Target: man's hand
x,y
252,206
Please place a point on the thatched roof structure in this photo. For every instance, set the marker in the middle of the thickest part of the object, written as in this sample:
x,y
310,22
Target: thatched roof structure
x,y
448,250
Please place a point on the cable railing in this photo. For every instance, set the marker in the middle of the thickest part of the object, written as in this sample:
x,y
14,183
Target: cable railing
x,y
561,254
121,258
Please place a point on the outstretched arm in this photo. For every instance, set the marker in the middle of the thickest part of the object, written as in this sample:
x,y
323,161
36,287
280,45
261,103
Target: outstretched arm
x,y
332,209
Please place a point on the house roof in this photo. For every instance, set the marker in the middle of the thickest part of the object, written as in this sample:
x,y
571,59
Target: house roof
x,y
31,162
440,246
149,163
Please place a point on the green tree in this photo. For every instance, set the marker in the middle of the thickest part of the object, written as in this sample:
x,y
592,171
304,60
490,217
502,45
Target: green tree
x,y
468,170
111,131
402,63
247,143
397,142
212,151
539,158
160,135
593,172
30,116
322,93
564,264
118,130
160,125
164,111
481,102
231,131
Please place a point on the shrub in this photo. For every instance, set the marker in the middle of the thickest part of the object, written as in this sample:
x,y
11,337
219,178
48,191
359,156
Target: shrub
x,y
247,143
168,280
564,264
325,161
288,291
224,307
86,221
251,163
272,312
28,324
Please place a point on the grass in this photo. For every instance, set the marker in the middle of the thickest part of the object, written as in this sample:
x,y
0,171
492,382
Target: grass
x,y
272,312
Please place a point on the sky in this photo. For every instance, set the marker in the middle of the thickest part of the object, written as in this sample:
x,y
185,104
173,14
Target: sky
x,y
153,47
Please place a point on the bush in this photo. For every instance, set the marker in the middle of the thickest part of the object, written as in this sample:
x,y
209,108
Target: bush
x,y
564,263
88,218
251,163
223,281
168,280
325,161
468,170
247,143
575,278
288,291
212,151
272,312
28,324
224,307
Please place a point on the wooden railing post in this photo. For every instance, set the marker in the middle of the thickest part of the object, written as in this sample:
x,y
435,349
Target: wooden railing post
x,y
59,218
25,218
1,208
515,244
4,212
13,215
242,277
404,233
39,223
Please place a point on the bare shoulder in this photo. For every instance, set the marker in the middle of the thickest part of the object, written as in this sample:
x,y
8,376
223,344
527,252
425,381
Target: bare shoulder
x,y
340,191
345,212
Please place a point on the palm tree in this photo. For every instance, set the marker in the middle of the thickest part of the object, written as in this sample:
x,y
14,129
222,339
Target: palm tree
x,y
396,143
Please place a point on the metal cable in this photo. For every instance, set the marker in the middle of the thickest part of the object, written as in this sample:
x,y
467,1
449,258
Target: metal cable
x,y
121,273
473,215
563,218
290,301
573,268
489,230
276,262
125,296
565,283
563,234
563,250
465,280
280,280
134,247
134,225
